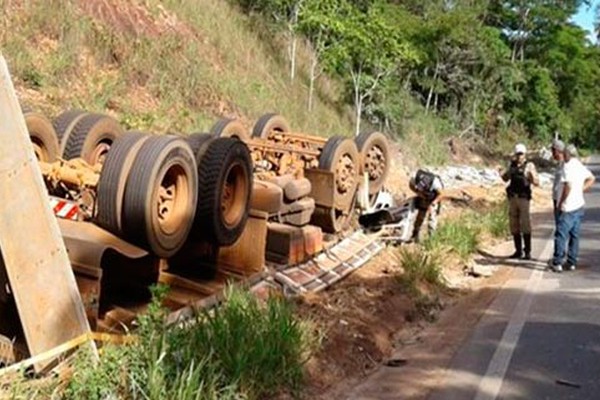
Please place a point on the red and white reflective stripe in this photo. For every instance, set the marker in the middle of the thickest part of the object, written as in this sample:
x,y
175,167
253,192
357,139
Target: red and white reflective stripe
x,y
64,209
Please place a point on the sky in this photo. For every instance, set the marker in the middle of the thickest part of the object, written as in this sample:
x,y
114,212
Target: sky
x,y
585,18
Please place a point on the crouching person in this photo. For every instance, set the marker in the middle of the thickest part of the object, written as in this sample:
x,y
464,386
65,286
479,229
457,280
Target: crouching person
x,y
521,175
428,189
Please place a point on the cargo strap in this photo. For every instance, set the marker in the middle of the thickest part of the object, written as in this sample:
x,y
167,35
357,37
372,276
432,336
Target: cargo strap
x,y
69,345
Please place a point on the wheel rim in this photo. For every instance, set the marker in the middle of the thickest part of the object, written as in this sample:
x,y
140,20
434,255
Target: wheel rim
x,y
233,195
41,153
98,155
172,199
375,162
345,174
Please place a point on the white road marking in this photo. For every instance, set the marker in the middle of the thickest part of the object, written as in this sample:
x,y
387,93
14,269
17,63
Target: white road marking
x,y
490,384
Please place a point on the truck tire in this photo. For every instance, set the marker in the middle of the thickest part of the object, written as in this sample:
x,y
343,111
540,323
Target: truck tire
x,y
228,127
340,156
160,197
64,123
43,137
113,177
224,185
374,158
268,123
91,138
197,140
331,220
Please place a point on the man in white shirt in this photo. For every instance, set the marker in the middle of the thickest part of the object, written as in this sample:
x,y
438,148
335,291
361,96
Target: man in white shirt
x,y
558,154
577,178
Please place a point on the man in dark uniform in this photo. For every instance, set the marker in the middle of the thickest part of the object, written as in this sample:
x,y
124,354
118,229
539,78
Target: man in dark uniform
x,y
428,188
521,174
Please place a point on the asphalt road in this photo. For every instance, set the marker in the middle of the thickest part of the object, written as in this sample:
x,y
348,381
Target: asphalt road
x,y
540,338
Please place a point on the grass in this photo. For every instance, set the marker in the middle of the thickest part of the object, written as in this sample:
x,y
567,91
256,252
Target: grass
x,y
245,349
421,280
460,236
213,64
495,220
419,266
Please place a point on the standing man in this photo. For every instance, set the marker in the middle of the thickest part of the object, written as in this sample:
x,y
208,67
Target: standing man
x,y
521,174
428,188
558,154
577,179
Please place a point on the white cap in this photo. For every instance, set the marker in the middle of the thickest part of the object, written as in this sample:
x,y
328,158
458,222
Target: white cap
x,y
520,148
572,150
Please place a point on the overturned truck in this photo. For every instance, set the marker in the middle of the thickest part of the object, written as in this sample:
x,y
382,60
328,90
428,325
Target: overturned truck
x,y
192,211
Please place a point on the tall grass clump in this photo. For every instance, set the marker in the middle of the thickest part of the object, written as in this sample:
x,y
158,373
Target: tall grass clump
x,y
422,281
460,235
243,349
495,220
419,266
262,347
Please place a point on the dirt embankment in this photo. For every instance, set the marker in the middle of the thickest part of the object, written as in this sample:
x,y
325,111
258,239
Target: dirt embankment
x,y
365,318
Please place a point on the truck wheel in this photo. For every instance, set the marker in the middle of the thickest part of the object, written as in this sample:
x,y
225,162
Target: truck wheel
x,y
374,157
197,140
228,127
331,220
268,123
224,184
64,123
91,138
341,157
43,136
161,195
113,177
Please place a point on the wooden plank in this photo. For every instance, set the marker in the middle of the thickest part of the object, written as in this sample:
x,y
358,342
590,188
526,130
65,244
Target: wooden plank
x,y
178,281
35,258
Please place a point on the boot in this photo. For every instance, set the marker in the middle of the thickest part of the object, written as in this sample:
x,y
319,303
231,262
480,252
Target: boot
x,y
527,246
518,246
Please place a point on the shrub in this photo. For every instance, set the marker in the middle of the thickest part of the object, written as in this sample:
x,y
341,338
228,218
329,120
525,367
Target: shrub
x,y
495,220
459,235
243,349
419,266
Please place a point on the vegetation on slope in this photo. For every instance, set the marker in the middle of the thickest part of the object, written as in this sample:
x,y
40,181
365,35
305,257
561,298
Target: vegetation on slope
x,y
488,67
159,66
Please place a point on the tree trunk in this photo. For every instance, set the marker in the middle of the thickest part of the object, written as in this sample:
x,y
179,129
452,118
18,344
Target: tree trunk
x,y
293,44
313,76
292,52
358,98
435,75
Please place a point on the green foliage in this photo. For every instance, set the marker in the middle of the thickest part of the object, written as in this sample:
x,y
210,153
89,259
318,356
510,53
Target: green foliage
x,y
460,236
419,266
262,348
487,67
495,220
243,349
538,110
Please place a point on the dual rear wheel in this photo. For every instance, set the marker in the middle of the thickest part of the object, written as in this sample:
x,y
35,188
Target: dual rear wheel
x,y
155,191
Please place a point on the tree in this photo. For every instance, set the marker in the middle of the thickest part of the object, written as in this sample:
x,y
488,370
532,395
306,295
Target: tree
x,y
538,108
371,49
282,12
319,23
